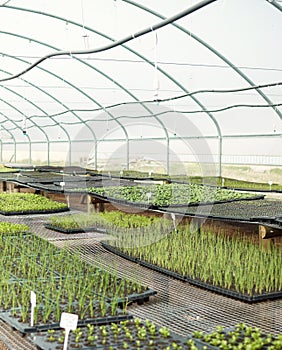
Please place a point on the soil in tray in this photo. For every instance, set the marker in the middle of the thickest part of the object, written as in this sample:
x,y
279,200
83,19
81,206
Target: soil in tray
x,y
129,334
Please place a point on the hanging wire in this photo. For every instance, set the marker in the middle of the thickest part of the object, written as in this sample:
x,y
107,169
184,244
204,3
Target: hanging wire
x,y
207,65
84,32
24,125
159,114
117,43
6,2
170,99
156,81
67,37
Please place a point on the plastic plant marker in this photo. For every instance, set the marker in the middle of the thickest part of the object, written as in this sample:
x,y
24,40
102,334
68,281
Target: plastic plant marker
x,y
62,184
149,195
33,304
68,200
69,323
173,219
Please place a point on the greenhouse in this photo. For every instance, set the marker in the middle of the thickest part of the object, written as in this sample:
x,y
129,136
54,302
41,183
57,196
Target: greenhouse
x,y
141,174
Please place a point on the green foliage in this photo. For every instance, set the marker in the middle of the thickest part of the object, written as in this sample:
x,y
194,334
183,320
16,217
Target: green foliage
x,y
59,278
216,259
241,337
22,202
169,194
129,335
9,228
108,220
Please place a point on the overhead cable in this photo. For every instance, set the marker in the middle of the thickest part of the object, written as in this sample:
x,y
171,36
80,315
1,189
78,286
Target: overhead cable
x,y
158,114
169,99
188,64
117,43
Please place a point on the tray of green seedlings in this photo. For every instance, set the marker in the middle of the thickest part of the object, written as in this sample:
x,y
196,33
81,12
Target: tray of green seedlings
x,y
228,265
28,203
10,228
5,169
250,186
48,316
103,222
128,334
239,337
74,186
170,195
62,282
97,182
229,183
138,175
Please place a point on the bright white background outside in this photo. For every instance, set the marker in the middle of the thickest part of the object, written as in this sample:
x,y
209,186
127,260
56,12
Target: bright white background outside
x,y
247,33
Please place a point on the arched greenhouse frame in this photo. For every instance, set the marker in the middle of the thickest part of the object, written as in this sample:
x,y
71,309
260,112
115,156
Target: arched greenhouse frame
x,y
159,121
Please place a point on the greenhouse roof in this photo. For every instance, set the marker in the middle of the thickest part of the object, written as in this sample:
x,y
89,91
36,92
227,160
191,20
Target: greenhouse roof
x,y
122,71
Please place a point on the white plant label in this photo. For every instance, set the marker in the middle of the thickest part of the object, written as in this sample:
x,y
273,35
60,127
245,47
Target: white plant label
x,y
69,323
33,304
68,201
32,298
62,183
270,184
173,219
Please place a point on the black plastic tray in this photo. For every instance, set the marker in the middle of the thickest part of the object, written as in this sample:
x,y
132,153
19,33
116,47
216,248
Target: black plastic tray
x,y
207,286
26,328
182,205
31,212
160,342
70,231
135,298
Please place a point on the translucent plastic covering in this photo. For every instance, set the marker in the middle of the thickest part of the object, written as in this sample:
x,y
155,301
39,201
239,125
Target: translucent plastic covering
x,y
206,87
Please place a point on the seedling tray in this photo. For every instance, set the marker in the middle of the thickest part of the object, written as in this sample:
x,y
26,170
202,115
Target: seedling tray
x,y
242,334
26,328
45,187
31,212
158,341
76,230
198,283
73,230
135,298
241,211
152,206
